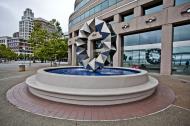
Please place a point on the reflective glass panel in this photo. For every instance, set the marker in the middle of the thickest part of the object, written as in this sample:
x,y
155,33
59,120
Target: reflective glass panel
x,y
181,50
179,2
143,50
128,18
86,14
91,11
153,9
104,5
112,2
82,17
97,8
131,40
181,33
150,37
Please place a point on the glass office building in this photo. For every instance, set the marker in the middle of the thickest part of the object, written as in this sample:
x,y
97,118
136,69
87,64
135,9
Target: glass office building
x,y
149,34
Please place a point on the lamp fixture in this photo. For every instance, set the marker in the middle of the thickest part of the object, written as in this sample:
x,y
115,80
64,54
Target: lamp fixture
x,y
186,11
125,26
150,20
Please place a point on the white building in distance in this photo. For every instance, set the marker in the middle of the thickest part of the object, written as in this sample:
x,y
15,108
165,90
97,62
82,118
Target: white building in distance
x,y
17,45
26,24
46,25
4,40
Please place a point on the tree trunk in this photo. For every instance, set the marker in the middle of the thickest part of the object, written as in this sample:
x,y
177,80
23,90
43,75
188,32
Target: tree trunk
x,y
51,62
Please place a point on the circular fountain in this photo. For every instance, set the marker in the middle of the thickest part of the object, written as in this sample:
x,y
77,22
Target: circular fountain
x,y
92,84
76,85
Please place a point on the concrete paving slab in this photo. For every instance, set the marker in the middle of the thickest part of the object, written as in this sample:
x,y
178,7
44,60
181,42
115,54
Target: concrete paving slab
x,y
11,116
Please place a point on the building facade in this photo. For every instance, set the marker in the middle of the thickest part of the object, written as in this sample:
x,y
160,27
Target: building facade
x,y
19,46
46,25
150,34
4,40
16,34
66,35
26,24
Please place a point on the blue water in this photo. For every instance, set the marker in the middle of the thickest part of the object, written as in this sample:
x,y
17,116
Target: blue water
x,y
84,72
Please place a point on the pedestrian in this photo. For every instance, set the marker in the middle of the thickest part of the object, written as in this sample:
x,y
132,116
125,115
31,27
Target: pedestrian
x,y
186,65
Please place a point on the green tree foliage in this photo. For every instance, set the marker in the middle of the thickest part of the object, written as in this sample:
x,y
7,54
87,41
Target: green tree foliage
x,y
7,53
57,26
39,36
48,46
21,56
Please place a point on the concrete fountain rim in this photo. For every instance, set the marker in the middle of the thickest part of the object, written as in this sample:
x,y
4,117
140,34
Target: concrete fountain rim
x,y
141,72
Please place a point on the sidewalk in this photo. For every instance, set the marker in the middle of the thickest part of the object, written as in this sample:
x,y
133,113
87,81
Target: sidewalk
x,y
177,114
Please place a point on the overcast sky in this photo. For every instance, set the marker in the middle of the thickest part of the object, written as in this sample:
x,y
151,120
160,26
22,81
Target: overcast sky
x,y
12,10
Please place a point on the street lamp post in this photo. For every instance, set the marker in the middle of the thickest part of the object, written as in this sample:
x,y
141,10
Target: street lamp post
x,y
24,50
29,48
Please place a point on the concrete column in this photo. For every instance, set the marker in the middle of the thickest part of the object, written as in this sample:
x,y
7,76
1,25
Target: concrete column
x,y
117,18
166,47
74,55
90,49
117,55
117,61
70,54
168,3
138,11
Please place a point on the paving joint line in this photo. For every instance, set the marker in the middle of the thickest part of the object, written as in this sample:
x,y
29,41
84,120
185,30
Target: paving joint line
x,y
181,107
13,77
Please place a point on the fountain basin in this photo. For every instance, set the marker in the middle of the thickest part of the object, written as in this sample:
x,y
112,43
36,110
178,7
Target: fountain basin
x,y
106,87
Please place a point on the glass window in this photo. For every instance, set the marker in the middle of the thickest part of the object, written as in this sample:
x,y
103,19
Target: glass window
x,y
150,37
179,2
128,18
153,9
181,33
104,5
74,21
77,19
86,14
131,40
145,57
91,11
97,8
82,17
112,2
181,60
181,50
81,4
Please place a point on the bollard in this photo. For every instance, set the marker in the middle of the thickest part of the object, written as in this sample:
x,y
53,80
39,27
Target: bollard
x,y
21,67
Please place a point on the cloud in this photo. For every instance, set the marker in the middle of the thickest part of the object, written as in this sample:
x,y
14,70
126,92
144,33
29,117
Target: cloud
x,y
7,21
12,10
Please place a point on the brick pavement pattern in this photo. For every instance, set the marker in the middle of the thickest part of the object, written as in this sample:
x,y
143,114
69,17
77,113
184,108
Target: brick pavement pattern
x,y
23,99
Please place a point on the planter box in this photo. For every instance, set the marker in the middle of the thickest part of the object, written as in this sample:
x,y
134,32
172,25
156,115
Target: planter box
x,y
21,68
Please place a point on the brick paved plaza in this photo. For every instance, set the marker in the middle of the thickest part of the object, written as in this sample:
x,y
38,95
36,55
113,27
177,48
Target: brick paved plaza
x,y
176,114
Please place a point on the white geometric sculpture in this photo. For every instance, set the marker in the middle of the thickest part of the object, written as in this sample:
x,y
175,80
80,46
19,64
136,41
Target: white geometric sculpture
x,y
94,25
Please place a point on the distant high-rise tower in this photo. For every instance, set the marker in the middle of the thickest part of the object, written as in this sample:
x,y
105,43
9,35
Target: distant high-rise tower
x,y
26,24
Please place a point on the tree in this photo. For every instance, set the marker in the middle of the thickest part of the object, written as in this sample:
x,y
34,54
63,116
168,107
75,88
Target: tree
x,y
48,46
58,28
39,37
56,49
21,56
57,44
2,51
7,53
